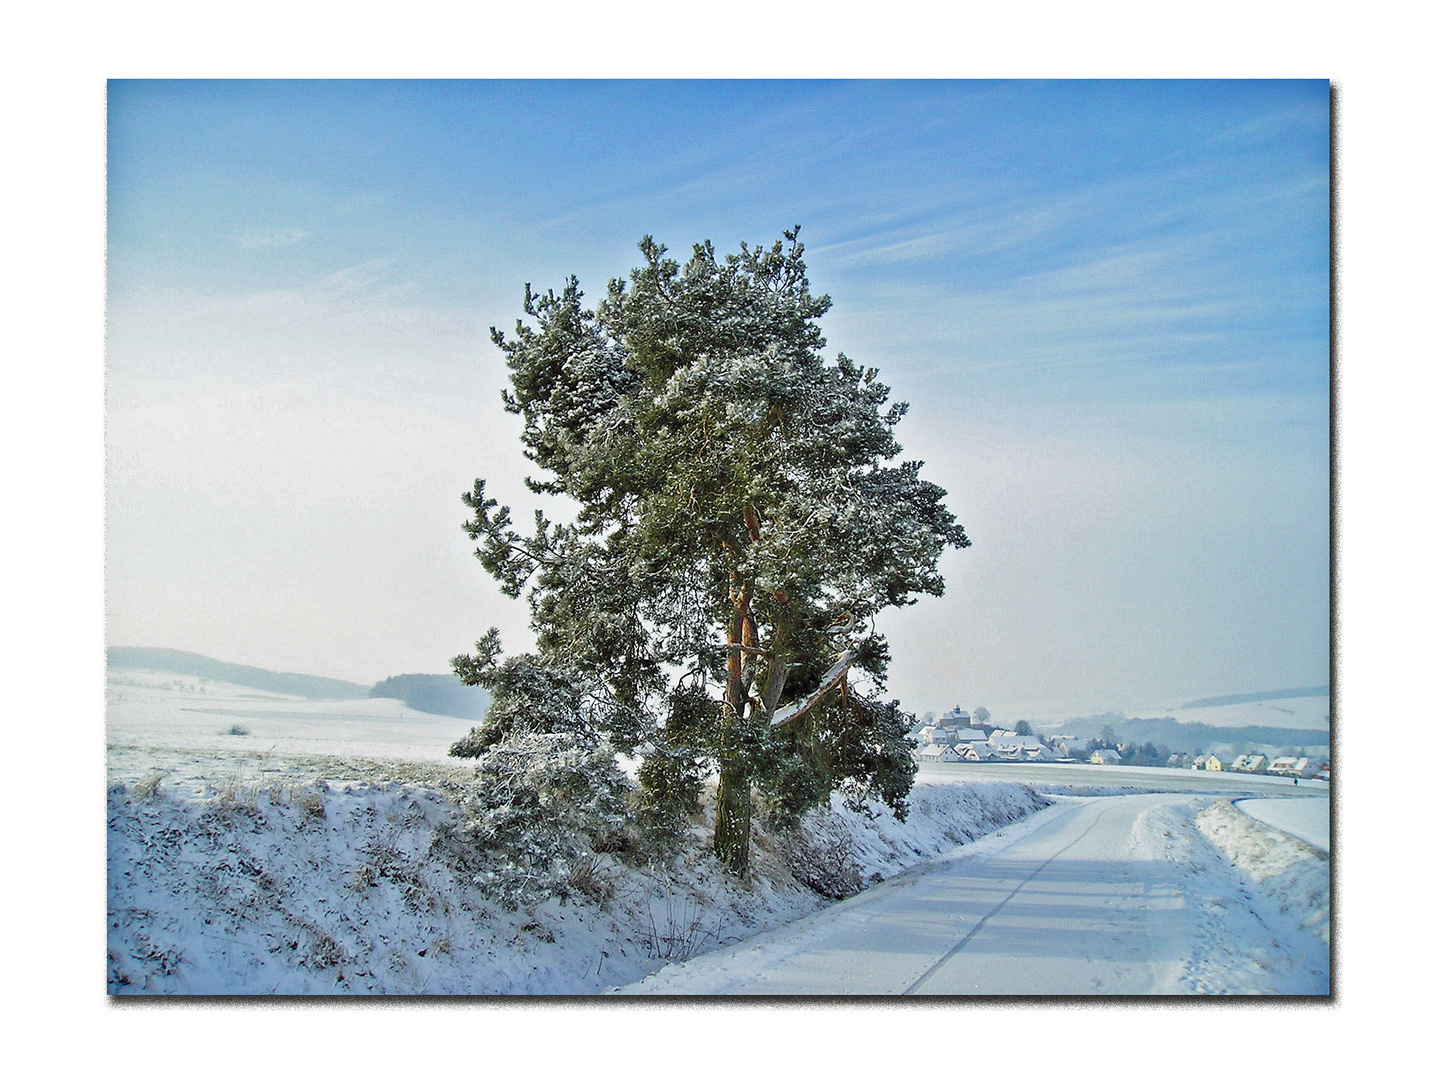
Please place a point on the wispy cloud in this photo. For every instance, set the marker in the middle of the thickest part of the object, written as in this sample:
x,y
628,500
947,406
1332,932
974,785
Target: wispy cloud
x,y
275,238
362,276
918,244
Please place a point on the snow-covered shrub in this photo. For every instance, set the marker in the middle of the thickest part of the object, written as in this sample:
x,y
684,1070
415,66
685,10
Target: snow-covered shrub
x,y
674,927
539,806
820,854
588,877
547,792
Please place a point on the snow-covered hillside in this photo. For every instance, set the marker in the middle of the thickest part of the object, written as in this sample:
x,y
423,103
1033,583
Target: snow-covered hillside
x,y
304,854
1305,712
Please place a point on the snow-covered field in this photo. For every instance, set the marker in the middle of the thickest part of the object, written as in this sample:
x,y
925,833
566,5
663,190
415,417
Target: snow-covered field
x,y
260,844
154,709
1065,778
1308,819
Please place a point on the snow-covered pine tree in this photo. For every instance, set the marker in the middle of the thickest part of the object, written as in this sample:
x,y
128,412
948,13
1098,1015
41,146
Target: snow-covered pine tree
x,y
736,501
548,792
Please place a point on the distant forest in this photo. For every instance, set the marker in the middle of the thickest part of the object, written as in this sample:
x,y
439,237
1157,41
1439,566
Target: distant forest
x,y
442,694
312,687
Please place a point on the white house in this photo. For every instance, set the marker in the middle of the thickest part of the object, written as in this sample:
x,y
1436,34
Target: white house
x,y
1016,747
939,752
1293,766
1023,742
1105,757
976,751
969,735
1251,763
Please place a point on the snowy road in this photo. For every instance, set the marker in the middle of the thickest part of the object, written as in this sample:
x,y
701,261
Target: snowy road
x,y
1092,896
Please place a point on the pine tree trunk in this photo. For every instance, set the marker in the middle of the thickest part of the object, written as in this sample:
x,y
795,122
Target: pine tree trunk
x,y
732,818
732,800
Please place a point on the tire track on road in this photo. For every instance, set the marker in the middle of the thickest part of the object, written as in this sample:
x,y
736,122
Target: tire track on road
x,y
955,951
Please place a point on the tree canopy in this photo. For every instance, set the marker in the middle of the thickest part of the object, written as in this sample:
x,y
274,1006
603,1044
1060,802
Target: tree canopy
x,y
736,498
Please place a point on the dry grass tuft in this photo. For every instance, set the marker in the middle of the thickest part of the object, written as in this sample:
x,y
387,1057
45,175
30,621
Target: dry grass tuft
x,y
149,786
588,878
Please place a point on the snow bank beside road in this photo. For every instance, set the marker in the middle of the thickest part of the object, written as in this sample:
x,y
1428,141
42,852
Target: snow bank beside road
x,y
298,885
1292,875
1230,932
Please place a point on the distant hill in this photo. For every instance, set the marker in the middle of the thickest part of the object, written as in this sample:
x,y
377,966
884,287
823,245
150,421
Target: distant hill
x,y
313,687
1167,731
1245,699
444,695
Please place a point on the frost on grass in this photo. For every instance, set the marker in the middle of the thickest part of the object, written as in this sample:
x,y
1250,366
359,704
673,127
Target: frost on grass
x,y
311,887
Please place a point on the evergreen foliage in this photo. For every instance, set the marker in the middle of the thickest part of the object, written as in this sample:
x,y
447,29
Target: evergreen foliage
x,y
736,500
540,804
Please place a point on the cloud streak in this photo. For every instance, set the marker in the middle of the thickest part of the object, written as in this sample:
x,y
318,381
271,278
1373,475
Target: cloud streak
x,y
275,238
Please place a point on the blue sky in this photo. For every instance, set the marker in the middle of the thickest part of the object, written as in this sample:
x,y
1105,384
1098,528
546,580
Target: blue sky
x,y
1106,302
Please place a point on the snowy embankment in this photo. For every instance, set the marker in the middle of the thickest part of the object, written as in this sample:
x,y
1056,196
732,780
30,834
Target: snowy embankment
x,y
292,883
1291,877
1237,930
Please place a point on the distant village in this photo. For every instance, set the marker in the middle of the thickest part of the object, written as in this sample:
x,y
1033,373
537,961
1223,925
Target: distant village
x,y
957,737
